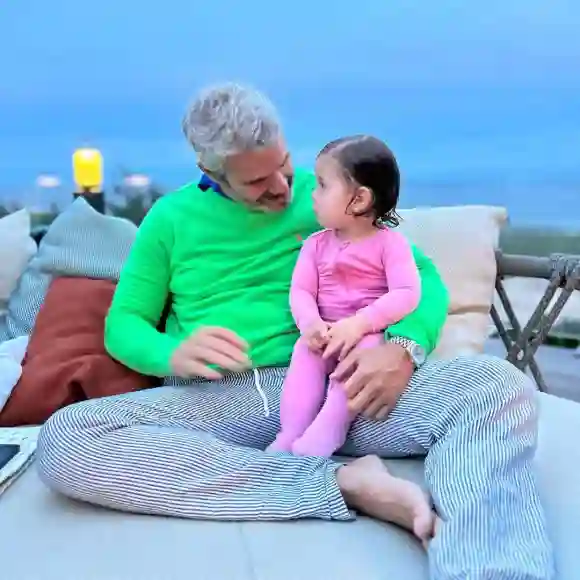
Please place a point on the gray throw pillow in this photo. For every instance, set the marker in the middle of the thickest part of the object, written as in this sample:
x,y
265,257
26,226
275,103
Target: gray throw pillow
x,y
80,242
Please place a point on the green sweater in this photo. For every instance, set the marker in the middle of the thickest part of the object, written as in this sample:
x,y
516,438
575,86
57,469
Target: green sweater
x,y
224,265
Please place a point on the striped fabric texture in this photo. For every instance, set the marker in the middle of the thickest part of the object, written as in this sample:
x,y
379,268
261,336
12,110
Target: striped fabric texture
x,y
196,450
80,242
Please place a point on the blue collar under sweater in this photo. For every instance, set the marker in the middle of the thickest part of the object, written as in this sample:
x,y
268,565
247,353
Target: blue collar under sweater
x,y
206,183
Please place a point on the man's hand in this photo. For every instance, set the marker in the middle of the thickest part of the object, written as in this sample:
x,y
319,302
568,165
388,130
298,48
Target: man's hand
x,y
375,378
316,336
344,335
209,346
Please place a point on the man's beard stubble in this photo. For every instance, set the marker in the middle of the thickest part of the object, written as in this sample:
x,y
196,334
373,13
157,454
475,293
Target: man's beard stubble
x,y
269,201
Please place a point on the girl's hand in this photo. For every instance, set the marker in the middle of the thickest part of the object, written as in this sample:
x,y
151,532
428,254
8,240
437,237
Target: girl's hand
x,y
344,335
316,336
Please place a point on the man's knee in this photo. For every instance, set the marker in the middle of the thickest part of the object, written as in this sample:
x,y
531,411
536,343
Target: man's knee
x,y
56,452
498,374
497,382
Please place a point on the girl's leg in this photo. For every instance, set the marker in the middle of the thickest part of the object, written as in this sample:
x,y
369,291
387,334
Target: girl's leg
x,y
302,395
328,431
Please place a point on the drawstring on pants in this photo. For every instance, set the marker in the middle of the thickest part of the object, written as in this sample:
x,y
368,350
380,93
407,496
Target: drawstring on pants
x,y
258,385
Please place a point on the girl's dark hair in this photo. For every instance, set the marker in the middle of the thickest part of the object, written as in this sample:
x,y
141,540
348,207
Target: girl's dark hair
x,y
368,162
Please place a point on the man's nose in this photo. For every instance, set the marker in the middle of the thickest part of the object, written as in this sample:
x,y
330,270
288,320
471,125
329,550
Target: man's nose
x,y
280,183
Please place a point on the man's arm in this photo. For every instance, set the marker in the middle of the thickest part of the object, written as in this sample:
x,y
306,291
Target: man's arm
x,y
425,323
131,334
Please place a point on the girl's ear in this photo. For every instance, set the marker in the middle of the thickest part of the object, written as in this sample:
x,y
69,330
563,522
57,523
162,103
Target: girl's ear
x,y
362,201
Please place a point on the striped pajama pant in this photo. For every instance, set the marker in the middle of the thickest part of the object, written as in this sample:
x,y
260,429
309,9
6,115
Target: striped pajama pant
x,y
195,450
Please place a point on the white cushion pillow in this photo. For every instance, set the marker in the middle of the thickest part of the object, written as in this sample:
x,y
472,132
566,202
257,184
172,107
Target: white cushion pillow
x,y
16,250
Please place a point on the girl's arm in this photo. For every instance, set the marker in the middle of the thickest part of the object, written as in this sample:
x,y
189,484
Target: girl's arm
x,y
424,325
403,282
304,287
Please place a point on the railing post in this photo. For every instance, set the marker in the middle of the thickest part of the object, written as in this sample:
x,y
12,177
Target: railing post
x,y
562,272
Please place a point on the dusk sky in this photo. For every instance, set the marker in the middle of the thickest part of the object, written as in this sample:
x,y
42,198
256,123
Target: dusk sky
x,y
68,49
458,86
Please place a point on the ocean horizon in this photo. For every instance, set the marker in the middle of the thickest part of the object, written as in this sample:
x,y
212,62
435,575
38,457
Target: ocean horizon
x,y
513,147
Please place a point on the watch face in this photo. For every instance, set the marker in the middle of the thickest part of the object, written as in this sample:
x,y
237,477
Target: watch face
x,y
418,355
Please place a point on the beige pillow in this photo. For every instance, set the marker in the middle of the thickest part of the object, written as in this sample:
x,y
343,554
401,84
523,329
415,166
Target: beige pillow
x,y
461,241
16,250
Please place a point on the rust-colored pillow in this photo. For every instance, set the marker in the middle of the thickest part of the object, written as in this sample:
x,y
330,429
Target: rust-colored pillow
x,y
66,359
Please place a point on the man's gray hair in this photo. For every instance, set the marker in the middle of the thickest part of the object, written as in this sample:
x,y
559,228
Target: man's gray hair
x,y
228,119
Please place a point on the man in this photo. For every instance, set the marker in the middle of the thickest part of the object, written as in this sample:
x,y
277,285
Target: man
x,y
223,255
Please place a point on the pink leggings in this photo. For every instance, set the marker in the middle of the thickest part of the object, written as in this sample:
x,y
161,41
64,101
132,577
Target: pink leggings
x,y
311,424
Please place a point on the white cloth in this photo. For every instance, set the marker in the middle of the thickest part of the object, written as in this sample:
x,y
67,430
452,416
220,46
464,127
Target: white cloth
x,y
11,356
26,438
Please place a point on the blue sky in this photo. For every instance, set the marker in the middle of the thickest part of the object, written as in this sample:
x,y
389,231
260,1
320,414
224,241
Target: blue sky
x,y
458,85
66,49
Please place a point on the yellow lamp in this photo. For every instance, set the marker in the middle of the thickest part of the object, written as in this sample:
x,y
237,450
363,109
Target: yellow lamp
x,y
88,170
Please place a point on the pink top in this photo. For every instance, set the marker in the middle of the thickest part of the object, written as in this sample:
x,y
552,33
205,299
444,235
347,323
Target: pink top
x,y
334,279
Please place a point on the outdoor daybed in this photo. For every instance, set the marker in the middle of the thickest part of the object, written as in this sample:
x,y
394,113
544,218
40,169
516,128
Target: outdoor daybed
x,y
48,537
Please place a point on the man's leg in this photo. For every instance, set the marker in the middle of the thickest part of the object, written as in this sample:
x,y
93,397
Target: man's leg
x,y
172,451
476,418
196,451
187,451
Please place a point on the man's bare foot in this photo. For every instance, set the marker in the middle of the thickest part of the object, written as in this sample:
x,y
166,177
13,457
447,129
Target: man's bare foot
x,y
436,526
367,486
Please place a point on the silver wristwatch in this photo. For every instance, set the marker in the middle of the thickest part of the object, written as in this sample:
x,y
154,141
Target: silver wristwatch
x,y
416,351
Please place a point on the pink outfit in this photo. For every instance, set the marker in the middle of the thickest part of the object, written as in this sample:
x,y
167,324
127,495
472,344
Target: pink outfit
x,y
333,279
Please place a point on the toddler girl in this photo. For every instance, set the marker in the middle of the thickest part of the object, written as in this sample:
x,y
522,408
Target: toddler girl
x,y
351,281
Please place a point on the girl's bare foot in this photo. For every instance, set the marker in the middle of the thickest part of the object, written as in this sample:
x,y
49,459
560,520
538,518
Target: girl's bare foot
x,y
367,486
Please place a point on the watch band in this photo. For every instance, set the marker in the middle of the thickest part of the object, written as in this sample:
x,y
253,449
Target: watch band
x,y
406,343
412,347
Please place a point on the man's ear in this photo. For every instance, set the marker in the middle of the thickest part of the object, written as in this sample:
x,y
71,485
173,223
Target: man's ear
x,y
214,175
206,171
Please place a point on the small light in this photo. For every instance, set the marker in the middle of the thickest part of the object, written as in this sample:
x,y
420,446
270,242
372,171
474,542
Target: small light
x,y
137,180
48,181
88,170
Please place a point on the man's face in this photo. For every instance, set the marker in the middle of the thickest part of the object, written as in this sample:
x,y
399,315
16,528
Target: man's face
x,y
261,178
